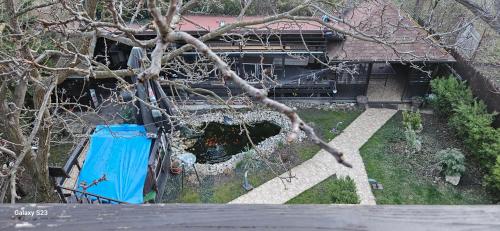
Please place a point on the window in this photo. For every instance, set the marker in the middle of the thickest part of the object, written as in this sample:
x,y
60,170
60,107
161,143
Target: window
x,y
257,71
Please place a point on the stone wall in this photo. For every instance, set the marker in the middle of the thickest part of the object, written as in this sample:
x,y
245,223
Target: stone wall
x,y
264,148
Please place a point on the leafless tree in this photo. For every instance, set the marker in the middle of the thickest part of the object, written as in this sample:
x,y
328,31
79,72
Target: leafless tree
x,y
490,16
44,42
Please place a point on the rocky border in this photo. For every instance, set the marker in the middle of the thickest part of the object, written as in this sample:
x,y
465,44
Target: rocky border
x,y
266,147
327,106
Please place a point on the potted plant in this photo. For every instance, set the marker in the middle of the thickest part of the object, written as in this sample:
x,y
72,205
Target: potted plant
x,y
175,167
452,164
412,121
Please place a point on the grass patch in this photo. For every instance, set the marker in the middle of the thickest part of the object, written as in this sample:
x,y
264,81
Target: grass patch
x,y
329,191
323,121
415,179
59,154
216,189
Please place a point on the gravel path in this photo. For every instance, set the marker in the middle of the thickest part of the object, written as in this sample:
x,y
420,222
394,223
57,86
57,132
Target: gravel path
x,y
323,165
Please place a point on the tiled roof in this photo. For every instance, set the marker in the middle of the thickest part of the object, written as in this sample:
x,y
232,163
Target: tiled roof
x,y
379,18
207,23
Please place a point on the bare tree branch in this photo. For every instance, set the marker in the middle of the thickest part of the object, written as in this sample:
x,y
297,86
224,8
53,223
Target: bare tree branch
x,y
492,19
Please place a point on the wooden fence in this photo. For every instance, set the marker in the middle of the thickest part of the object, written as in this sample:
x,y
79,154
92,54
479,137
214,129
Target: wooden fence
x,y
482,87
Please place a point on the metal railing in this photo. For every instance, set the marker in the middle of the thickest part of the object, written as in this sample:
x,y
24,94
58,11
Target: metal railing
x,y
89,198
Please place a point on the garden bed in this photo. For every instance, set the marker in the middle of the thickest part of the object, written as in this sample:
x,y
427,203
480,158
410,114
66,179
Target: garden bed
x,y
416,178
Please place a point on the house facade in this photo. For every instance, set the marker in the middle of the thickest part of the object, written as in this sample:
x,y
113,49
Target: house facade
x,y
383,55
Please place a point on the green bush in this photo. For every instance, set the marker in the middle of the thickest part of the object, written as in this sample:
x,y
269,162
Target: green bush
x,y
493,180
472,122
329,191
412,120
470,117
343,193
452,161
449,92
413,143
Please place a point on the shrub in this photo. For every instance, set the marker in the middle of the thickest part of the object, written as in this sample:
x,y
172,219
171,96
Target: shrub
x,y
344,192
493,180
329,191
470,116
413,143
470,119
452,161
412,120
449,92
473,123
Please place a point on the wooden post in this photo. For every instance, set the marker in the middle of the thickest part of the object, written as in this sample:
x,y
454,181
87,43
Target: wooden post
x,y
368,74
407,84
283,65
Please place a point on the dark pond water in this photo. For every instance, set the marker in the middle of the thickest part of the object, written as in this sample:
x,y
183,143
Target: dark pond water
x,y
220,141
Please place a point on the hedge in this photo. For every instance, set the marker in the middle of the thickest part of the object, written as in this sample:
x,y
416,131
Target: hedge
x,y
449,94
472,122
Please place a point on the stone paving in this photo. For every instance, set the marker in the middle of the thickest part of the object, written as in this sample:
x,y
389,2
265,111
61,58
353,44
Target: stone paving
x,y
389,90
323,165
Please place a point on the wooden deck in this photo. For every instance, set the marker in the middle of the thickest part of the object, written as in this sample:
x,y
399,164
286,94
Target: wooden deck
x,y
75,172
249,217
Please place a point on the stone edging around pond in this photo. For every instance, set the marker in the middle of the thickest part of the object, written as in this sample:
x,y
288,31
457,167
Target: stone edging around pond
x,y
266,147
327,106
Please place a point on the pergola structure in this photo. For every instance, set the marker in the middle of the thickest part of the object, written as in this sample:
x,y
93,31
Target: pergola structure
x,y
406,53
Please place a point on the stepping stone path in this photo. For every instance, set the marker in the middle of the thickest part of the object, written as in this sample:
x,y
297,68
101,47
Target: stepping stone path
x,y
323,165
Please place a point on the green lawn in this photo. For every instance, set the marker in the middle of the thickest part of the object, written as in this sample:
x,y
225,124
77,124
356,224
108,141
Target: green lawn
x,y
406,178
224,188
329,191
219,189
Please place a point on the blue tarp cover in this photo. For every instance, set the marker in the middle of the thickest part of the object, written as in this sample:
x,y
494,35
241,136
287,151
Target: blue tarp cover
x,y
120,152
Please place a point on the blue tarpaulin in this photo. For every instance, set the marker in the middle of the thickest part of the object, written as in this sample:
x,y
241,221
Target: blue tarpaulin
x,y
121,153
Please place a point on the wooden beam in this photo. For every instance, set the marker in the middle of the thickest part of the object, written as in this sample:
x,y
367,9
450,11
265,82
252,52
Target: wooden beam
x,y
249,217
368,75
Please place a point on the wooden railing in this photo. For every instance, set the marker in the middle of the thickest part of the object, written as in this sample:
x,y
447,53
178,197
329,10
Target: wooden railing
x,y
73,158
249,217
78,196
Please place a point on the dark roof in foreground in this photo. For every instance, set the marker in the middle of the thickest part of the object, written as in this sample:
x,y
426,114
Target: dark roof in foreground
x,y
386,21
248,217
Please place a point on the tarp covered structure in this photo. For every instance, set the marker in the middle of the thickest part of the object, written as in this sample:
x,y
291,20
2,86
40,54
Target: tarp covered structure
x,y
121,153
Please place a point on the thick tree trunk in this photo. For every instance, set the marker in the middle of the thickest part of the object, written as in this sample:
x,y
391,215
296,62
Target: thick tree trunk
x,y
44,186
36,164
